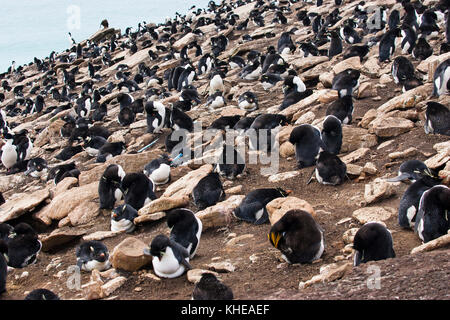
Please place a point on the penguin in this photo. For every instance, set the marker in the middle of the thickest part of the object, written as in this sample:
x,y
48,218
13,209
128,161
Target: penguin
x,y
185,229
332,134
346,82
356,51
387,44
293,84
23,246
422,49
210,288
394,19
122,218
349,35
402,69
409,38
170,259
307,141
230,167
294,97
9,152
428,24
372,242
180,120
126,116
298,236
3,266
335,44
251,71
224,122
285,44
92,145
110,150
411,170
92,255
109,186
36,167
138,190
342,108
157,116
215,101
38,105
248,101
60,172
252,209
441,78
269,80
330,169
83,106
410,17
42,294
236,62
244,124
100,112
216,83
432,220
208,191
409,203
124,100
437,118
68,152
269,122
158,170
6,231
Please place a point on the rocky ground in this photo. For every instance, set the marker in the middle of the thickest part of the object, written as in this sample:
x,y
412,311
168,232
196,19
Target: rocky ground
x,y
387,129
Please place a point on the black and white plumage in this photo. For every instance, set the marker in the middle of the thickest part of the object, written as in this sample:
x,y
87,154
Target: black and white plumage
x,y
432,220
208,191
180,120
372,242
387,44
402,70
308,142
236,62
170,259
252,209
293,84
441,79
269,80
409,38
3,265
411,170
157,116
298,236
185,229
335,44
158,170
346,82
422,49
138,190
36,167
68,152
332,134
42,294
60,172
342,109
356,51
330,169
269,122
294,97
110,150
230,164
124,100
437,119
92,255
251,71
23,246
210,288
93,144
38,104
122,218
126,116
215,101
109,186
248,101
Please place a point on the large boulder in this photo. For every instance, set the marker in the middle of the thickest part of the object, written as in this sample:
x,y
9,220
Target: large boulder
x,y
220,214
129,255
22,203
184,186
279,206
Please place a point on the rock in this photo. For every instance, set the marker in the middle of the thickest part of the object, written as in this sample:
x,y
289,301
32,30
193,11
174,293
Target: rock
x,y
237,239
287,149
64,185
442,147
12,182
129,255
101,235
390,127
149,217
112,285
50,134
328,97
385,79
355,155
385,144
368,117
410,152
371,66
367,214
349,235
221,267
232,111
354,170
326,79
441,242
84,213
164,204
370,168
22,203
366,90
306,118
93,289
328,273
68,201
379,189
187,39
103,34
350,63
60,236
355,138
185,185
234,190
118,136
409,99
437,160
194,275
430,64
283,176
279,206
284,134
308,62
220,214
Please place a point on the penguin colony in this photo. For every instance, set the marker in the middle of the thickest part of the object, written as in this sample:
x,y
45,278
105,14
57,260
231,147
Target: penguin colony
x,y
85,104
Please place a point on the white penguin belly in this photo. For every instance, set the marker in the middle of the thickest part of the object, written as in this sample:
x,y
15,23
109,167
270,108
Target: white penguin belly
x,y
9,155
97,265
161,175
168,266
122,225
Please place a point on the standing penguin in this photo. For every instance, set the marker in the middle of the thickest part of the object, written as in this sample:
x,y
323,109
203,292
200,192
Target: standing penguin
x,y
138,190
210,288
387,44
346,82
441,78
422,50
253,207
437,119
432,220
298,236
185,229
122,218
308,142
158,170
230,164
342,109
23,246
372,242
332,134
93,255
170,259
157,116
208,191
335,44
330,169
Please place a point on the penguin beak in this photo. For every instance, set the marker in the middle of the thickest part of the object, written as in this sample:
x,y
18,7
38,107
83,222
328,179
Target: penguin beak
x,y
114,215
402,177
274,238
289,191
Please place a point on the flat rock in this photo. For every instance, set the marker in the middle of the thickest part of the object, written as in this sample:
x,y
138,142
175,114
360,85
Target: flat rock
x,y
407,100
236,239
220,214
64,185
306,118
234,190
101,235
350,63
149,217
222,267
12,182
355,138
379,189
287,149
328,273
60,236
22,203
410,152
84,213
283,176
355,155
184,186
279,206
354,170
129,255
164,204
194,275
390,127
441,242
367,214
368,117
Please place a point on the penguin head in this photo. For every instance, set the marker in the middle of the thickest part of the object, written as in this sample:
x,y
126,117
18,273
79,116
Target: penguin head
x,y
158,246
24,229
284,193
124,211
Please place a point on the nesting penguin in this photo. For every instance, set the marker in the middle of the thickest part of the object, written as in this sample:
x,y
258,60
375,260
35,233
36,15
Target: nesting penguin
x,y
342,109
248,101
92,255
346,82
138,190
437,119
230,164
36,167
441,78
42,294
23,246
122,218
110,150
170,259
252,209
208,191
157,116
372,242
308,142
158,170
185,229
330,169
210,288
298,236
332,134
432,220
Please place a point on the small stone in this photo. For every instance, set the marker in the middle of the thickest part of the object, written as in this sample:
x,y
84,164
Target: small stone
x,y
138,289
410,152
385,79
129,255
355,155
235,240
283,176
370,168
221,267
354,170
194,275
234,190
367,214
349,235
278,207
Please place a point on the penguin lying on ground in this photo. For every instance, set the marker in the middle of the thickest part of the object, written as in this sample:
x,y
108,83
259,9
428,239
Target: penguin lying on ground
x,y
208,191
437,118
23,246
158,170
93,255
138,190
330,169
41,294
230,165
122,218
210,288
185,229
